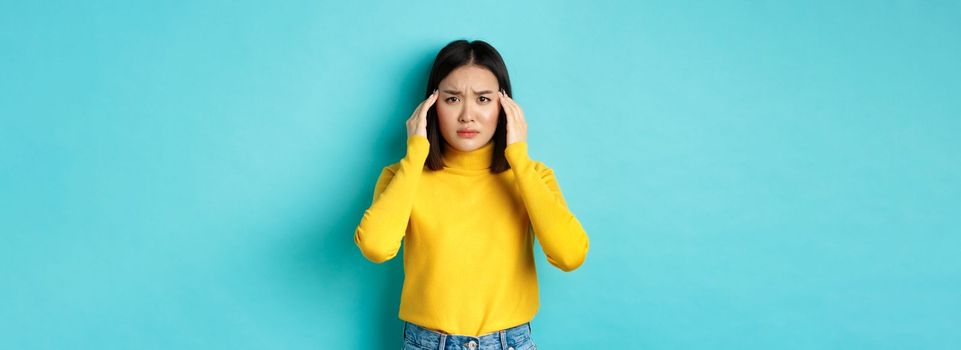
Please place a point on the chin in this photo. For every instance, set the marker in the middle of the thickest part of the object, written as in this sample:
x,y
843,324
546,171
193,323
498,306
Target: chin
x,y
467,145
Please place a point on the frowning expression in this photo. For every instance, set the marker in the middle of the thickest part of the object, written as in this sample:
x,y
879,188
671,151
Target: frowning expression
x,y
468,107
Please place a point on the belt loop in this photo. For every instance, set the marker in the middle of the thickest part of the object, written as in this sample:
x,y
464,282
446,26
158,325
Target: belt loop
x,y
443,341
529,330
503,340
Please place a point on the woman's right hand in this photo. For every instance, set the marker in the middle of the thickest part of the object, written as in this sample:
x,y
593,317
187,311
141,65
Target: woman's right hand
x,y
417,123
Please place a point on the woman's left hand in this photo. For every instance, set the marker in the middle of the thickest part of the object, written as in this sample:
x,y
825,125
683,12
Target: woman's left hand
x,y
516,124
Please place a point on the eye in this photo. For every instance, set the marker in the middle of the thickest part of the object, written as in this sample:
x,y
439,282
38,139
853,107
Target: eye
x,y
450,99
483,98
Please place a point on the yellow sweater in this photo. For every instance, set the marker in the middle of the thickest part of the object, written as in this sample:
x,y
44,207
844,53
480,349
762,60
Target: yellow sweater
x,y
468,246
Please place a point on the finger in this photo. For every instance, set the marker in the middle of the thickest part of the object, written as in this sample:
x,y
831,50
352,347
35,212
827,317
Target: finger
x,y
423,105
507,99
427,104
511,117
422,113
508,116
511,108
505,104
416,111
518,112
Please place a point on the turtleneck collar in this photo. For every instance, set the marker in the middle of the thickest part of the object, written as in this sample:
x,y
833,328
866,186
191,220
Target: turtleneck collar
x,y
474,160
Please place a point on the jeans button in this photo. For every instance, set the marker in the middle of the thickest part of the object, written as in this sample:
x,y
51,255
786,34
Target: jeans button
x,y
472,344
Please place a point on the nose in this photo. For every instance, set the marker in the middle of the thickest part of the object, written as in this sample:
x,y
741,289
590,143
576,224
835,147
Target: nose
x,y
465,114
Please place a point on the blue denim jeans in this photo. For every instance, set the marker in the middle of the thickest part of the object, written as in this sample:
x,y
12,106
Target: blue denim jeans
x,y
514,338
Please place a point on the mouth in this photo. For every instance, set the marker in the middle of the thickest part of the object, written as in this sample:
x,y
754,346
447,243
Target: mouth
x,y
467,133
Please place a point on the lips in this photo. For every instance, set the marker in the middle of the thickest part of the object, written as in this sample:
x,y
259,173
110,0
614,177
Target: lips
x,y
467,132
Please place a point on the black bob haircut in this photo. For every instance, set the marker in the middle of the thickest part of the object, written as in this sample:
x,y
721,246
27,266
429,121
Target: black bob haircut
x,y
456,54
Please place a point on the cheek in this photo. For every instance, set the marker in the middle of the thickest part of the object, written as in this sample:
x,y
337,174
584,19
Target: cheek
x,y
489,117
446,117
442,111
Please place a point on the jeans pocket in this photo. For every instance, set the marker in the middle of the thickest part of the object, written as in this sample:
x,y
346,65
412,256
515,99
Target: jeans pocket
x,y
409,346
526,345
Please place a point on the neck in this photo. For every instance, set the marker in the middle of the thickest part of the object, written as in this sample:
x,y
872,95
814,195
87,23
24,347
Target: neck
x,y
477,159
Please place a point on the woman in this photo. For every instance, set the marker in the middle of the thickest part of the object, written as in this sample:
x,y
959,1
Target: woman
x,y
464,201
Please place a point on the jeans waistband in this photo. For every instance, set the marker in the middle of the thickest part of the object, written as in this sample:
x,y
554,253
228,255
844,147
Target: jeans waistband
x,y
502,339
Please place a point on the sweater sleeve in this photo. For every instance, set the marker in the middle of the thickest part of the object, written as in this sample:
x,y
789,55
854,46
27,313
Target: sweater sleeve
x,y
560,233
384,224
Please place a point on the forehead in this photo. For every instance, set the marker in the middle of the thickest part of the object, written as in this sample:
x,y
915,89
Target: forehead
x,y
470,76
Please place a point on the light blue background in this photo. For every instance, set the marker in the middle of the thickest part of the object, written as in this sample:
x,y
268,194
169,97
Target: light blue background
x,y
752,175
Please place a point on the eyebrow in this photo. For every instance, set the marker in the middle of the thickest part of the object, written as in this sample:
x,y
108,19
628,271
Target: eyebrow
x,y
455,92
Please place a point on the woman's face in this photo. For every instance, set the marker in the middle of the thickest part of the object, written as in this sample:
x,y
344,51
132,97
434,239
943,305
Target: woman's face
x,y
467,107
